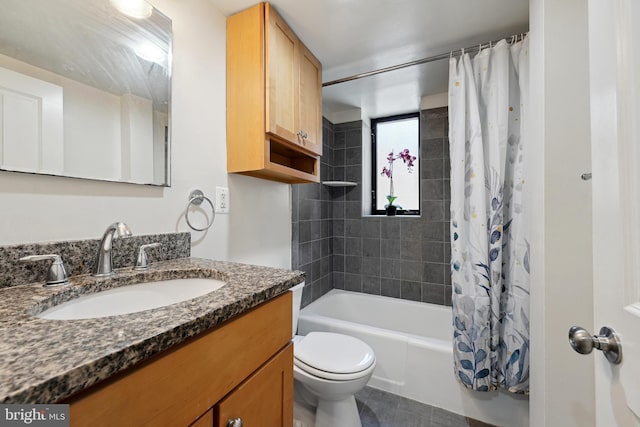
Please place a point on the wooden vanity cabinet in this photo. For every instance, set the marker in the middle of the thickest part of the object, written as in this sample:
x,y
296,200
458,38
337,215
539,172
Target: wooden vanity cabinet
x,y
206,420
243,368
264,399
274,99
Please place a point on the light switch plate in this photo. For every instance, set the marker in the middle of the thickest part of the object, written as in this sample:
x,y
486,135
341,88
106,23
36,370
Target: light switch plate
x,y
222,200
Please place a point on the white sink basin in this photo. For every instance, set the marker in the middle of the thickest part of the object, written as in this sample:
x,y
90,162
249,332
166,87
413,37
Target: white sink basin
x,y
132,299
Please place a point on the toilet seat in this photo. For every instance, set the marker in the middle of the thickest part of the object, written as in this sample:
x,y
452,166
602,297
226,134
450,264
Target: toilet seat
x,y
333,356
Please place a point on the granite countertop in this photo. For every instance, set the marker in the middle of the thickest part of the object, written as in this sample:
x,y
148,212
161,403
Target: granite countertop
x,y
45,361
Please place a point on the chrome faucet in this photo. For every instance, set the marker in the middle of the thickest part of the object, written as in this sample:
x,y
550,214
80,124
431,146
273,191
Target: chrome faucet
x,y
104,261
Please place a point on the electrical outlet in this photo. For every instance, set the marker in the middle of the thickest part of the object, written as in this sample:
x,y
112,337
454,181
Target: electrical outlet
x,y
222,200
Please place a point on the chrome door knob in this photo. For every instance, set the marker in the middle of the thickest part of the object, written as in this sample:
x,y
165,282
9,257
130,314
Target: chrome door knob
x,y
234,422
608,342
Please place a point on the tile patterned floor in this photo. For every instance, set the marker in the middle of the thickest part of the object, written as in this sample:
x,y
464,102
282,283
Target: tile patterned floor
x,y
381,409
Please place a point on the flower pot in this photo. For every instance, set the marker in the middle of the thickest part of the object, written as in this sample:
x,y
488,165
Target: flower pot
x,y
391,210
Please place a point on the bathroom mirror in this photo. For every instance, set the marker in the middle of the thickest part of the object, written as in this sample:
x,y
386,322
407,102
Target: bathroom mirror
x,y
85,89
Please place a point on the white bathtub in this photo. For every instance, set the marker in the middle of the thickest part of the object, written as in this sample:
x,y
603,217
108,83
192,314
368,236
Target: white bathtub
x,y
413,347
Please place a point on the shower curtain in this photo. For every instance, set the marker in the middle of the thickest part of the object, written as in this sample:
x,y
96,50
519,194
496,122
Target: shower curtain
x,y
489,242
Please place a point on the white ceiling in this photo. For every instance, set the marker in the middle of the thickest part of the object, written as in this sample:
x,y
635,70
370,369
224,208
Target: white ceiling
x,y
355,36
87,41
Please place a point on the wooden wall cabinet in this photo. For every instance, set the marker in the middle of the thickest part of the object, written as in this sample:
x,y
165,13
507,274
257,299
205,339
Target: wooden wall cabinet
x,y
243,368
274,99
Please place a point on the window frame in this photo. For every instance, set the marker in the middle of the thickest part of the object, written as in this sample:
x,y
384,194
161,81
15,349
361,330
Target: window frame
x,y
376,168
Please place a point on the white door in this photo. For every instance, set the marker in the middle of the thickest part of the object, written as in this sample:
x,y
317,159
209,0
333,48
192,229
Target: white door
x,y
31,124
614,50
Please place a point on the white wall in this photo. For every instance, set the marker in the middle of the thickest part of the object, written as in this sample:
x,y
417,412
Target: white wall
x,y
257,230
434,101
562,384
136,133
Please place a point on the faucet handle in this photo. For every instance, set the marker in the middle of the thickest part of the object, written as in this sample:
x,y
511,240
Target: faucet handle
x,y
142,263
57,275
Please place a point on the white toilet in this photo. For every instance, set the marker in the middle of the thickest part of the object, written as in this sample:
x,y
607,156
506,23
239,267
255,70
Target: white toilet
x,y
331,368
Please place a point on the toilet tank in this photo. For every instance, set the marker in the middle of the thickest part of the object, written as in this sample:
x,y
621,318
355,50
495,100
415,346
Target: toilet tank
x,y
297,301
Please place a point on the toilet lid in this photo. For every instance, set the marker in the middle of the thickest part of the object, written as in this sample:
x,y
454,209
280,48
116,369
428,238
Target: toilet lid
x,y
333,353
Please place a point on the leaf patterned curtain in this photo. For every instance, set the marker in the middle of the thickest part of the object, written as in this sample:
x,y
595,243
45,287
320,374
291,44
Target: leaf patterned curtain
x,y
489,231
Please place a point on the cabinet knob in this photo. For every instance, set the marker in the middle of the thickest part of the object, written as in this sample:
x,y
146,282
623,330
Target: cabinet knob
x,y
234,422
302,134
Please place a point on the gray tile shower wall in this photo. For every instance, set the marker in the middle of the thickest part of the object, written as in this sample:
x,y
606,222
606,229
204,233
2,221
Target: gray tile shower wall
x,y
79,255
311,235
401,257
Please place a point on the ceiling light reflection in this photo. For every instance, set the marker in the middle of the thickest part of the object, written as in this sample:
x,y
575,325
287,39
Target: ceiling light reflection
x,y
151,53
138,9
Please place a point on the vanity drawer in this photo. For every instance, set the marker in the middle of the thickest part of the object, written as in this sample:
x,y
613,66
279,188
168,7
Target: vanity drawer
x,y
178,385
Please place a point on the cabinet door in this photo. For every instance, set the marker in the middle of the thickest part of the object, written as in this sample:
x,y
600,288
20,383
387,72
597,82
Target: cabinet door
x,y
265,398
282,78
206,420
310,104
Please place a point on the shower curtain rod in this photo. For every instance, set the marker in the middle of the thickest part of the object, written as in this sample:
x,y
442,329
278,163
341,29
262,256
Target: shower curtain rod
x,y
439,57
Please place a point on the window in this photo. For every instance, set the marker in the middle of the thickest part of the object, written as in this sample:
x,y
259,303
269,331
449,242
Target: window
x,y
393,135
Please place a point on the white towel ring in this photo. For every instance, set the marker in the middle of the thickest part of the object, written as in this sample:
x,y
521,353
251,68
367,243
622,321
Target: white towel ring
x,y
195,198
